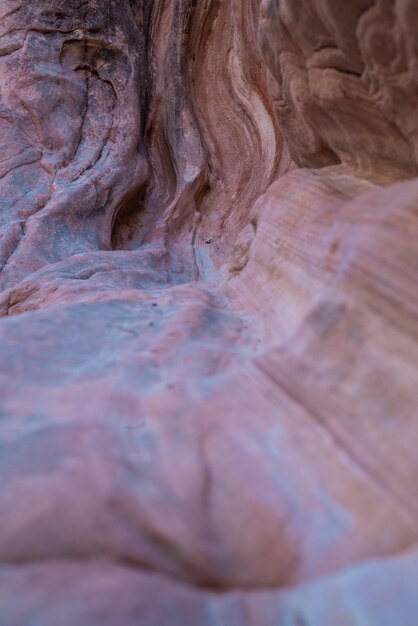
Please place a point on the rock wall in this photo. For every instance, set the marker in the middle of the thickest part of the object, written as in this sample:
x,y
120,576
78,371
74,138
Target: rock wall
x,y
152,121
208,332
346,82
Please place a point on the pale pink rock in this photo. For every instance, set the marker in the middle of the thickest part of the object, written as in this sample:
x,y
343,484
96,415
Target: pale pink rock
x,y
208,333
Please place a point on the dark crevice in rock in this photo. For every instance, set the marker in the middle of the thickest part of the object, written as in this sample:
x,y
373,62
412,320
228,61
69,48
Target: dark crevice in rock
x,y
127,229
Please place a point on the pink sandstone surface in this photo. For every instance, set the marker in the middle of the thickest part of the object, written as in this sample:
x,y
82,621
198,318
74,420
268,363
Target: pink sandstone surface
x,y
209,313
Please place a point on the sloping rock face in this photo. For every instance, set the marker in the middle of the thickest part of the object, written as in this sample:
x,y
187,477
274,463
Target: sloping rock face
x,y
208,298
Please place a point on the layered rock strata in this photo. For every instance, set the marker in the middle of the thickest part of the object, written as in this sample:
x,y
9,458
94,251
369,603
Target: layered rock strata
x,y
208,333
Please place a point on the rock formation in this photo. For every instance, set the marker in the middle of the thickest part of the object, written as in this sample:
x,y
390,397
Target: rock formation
x,y
208,299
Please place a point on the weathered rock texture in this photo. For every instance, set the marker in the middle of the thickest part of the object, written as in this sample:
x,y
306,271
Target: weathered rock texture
x,y
209,335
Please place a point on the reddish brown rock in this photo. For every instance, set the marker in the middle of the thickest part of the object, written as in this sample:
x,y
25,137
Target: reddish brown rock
x,y
346,82
208,302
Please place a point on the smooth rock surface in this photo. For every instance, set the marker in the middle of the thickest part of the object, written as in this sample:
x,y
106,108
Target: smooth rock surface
x,y
209,313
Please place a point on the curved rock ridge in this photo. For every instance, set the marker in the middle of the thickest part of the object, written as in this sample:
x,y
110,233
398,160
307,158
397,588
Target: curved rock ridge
x,y
151,120
208,313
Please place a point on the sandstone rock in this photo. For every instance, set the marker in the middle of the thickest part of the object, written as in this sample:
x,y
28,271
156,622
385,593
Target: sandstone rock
x,y
208,333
